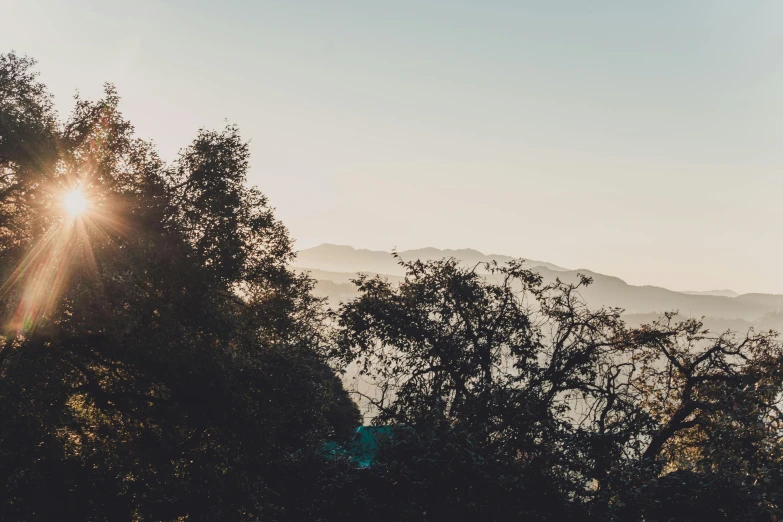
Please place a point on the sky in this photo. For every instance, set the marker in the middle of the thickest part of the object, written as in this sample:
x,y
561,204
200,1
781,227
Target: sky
x,y
638,139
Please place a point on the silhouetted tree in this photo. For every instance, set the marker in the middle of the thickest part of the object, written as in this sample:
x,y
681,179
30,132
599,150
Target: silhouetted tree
x,y
159,361
517,400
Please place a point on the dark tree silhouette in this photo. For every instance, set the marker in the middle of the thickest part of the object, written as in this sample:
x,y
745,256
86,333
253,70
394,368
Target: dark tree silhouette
x,y
159,360
512,397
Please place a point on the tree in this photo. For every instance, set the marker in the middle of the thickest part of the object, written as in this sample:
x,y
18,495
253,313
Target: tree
x,y
500,379
159,361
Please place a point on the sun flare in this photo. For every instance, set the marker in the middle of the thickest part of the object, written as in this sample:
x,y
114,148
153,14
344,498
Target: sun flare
x,y
75,202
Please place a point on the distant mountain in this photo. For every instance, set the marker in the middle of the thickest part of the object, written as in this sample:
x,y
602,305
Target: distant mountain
x,y
333,266
344,258
721,293
612,291
605,291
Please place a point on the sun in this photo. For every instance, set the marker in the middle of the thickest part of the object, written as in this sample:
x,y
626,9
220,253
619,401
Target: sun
x,y
75,202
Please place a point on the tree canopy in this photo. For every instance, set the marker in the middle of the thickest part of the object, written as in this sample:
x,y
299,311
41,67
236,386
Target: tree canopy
x,y
514,398
160,360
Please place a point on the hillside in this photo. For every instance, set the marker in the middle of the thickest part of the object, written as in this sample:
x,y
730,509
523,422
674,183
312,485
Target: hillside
x,y
343,258
334,266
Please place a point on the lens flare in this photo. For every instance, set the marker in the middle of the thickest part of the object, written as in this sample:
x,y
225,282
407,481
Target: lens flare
x,y
75,202
42,277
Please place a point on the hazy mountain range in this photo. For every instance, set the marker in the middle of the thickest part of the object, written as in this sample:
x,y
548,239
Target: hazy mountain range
x,y
721,293
333,266
343,258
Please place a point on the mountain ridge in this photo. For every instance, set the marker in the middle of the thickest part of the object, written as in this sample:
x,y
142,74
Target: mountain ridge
x,y
340,257
333,266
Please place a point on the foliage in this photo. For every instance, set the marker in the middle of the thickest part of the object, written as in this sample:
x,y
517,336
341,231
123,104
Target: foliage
x,y
160,360
512,384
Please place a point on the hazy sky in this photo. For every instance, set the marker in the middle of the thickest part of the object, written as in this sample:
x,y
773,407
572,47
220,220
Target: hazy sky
x,y
638,139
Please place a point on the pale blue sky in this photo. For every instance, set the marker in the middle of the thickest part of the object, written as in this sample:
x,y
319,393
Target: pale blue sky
x,y
638,139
